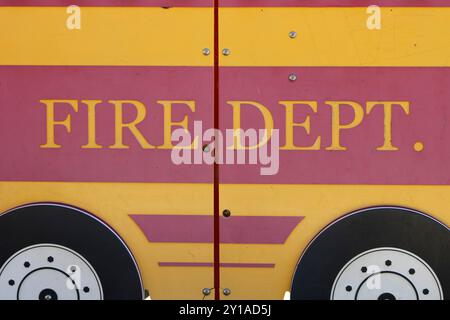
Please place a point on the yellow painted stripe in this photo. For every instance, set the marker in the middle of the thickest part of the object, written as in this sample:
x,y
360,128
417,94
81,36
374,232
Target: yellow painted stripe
x,y
320,204
108,36
335,37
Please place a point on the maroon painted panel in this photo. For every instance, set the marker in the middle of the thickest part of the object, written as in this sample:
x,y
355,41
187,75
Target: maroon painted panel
x,y
229,3
109,3
334,3
23,122
198,228
222,265
426,89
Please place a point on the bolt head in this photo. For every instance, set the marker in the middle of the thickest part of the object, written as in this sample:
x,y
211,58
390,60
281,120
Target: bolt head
x,y
226,52
226,213
206,148
292,77
292,34
226,291
206,291
206,51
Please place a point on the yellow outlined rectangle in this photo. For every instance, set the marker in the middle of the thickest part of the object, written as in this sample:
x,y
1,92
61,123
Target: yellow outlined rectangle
x,y
108,36
335,37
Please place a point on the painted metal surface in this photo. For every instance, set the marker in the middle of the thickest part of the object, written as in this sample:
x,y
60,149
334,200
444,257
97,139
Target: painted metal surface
x,y
309,157
146,53
118,53
229,3
113,202
327,37
211,264
333,58
333,3
237,230
113,36
110,3
145,160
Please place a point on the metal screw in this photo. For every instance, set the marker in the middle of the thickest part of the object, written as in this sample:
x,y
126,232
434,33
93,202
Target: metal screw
x,y
226,213
206,291
206,51
292,77
292,34
226,291
206,148
226,52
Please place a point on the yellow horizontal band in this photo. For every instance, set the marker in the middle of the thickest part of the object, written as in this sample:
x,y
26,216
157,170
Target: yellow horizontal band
x,y
335,37
255,37
107,36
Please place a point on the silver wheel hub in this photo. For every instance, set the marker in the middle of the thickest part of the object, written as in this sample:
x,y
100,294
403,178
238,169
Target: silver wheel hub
x,y
386,274
48,272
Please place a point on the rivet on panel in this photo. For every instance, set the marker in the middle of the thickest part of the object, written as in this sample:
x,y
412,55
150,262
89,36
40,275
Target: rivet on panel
x,y
206,291
226,213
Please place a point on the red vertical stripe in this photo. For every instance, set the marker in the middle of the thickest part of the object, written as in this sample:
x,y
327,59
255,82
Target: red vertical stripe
x,y
216,165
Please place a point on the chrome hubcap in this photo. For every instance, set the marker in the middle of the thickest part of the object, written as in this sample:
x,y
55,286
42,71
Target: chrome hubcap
x,y
48,272
386,274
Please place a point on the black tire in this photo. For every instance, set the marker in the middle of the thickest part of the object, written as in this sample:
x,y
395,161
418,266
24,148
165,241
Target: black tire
x,y
79,231
367,229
